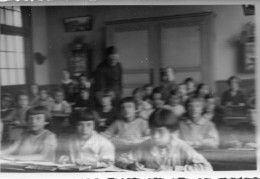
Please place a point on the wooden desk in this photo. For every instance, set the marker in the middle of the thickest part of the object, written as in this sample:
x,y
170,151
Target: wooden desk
x,y
230,159
40,167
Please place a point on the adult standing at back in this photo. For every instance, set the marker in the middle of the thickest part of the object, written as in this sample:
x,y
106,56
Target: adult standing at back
x,y
108,74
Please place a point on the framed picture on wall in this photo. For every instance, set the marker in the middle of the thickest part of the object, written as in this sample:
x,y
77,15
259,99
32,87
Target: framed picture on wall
x,y
74,24
247,58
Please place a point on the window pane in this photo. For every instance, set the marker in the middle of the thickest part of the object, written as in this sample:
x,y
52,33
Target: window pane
x,y
9,17
21,77
11,60
17,8
2,20
20,60
3,59
17,19
12,77
10,43
19,44
4,77
2,42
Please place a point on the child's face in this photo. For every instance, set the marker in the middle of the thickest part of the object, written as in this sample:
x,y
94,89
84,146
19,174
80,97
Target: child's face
x,y
148,90
190,86
37,122
204,90
34,89
6,102
66,74
23,101
195,109
161,136
83,79
59,96
43,94
138,96
128,110
168,75
85,129
174,100
113,58
234,84
210,104
106,101
84,95
157,100
182,89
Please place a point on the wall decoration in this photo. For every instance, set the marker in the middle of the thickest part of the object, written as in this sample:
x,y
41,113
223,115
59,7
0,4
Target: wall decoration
x,y
74,24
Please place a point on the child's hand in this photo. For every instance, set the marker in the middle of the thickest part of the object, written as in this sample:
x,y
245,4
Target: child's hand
x,y
63,159
85,163
135,166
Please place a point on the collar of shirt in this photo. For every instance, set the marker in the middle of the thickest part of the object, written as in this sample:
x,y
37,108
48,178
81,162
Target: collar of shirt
x,y
90,142
200,122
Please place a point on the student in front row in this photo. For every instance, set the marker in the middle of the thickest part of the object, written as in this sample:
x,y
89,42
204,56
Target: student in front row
x,y
164,150
36,143
129,129
87,147
196,129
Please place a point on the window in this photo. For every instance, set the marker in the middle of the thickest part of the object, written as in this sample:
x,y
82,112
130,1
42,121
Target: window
x,y
13,34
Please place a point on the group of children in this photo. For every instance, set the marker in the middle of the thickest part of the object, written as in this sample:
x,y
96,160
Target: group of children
x,y
157,128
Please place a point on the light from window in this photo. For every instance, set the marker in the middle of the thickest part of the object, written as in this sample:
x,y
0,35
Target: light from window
x,y
11,15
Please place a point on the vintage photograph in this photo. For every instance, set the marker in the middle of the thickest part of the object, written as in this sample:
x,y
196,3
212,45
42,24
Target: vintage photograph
x,y
141,88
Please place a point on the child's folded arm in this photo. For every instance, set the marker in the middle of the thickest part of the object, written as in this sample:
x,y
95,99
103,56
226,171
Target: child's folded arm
x,y
49,149
195,161
212,139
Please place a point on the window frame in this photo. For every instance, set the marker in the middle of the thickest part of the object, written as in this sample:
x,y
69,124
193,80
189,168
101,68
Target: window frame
x,y
26,32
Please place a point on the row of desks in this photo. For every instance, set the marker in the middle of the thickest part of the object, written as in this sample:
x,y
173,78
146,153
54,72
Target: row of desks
x,y
221,160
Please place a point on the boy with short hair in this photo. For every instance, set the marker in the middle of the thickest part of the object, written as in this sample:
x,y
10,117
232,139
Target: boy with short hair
x,y
83,101
130,129
164,150
107,112
87,147
197,130
174,104
157,98
44,99
36,143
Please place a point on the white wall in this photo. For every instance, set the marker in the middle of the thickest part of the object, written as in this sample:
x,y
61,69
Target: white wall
x,y
39,44
229,21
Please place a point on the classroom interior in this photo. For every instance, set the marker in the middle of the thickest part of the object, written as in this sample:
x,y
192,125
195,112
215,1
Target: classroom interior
x,y
209,43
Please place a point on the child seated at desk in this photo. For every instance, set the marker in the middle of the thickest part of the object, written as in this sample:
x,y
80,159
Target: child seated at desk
x,y
157,98
174,104
107,112
130,129
36,143
60,111
87,147
144,109
83,101
19,116
44,99
195,129
164,151
34,94
234,95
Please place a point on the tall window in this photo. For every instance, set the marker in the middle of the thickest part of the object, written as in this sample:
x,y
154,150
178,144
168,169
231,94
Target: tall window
x,y
13,32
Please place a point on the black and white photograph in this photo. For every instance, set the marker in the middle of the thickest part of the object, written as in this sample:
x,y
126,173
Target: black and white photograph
x,y
88,88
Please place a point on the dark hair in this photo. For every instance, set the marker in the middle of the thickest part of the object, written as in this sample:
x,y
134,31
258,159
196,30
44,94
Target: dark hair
x,y
163,118
44,89
84,89
85,115
189,79
137,90
210,96
38,110
59,90
232,78
199,88
108,93
157,90
22,93
147,85
191,99
127,100
174,92
110,50
6,95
